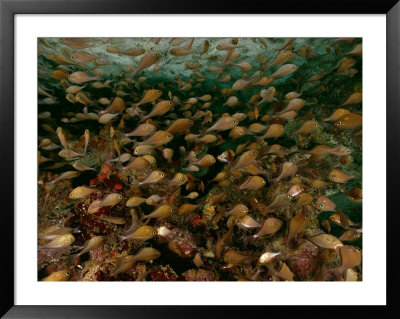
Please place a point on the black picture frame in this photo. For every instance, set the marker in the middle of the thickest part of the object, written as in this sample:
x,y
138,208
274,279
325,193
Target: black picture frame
x,y
8,10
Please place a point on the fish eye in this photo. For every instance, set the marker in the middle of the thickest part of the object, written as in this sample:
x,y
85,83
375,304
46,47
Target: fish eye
x,y
67,273
306,216
243,210
357,235
153,128
315,125
136,151
335,256
172,51
172,210
154,232
289,197
190,122
321,205
181,178
168,136
228,258
339,123
120,196
264,181
234,122
333,176
348,152
69,239
358,250
159,92
162,175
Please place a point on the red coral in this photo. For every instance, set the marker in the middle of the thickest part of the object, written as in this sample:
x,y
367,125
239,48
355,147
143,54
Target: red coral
x,y
301,263
164,274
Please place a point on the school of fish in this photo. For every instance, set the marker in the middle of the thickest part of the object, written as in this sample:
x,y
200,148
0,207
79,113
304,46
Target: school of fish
x,y
220,159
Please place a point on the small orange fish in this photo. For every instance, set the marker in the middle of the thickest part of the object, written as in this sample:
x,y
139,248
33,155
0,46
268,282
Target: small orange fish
x,y
180,51
206,45
336,218
233,257
153,177
247,222
81,77
281,58
287,115
60,242
355,194
137,163
146,61
339,177
288,169
274,131
350,235
351,257
142,233
144,129
158,138
325,204
62,275
180,125
269,227
116,106
239,210
178,180
149,96
231,101
284,70
345,64
307,128
304,199
58,74
223,124
82,98
339,150
295,190
133,51
351,121
326,241
244,160
297,224
353,99
206,161
237,132
339,113
83,56
159,109
161,212
253,183
257,128
294,105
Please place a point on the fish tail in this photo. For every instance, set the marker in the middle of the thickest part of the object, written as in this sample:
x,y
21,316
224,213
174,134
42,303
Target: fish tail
x,y
121,238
